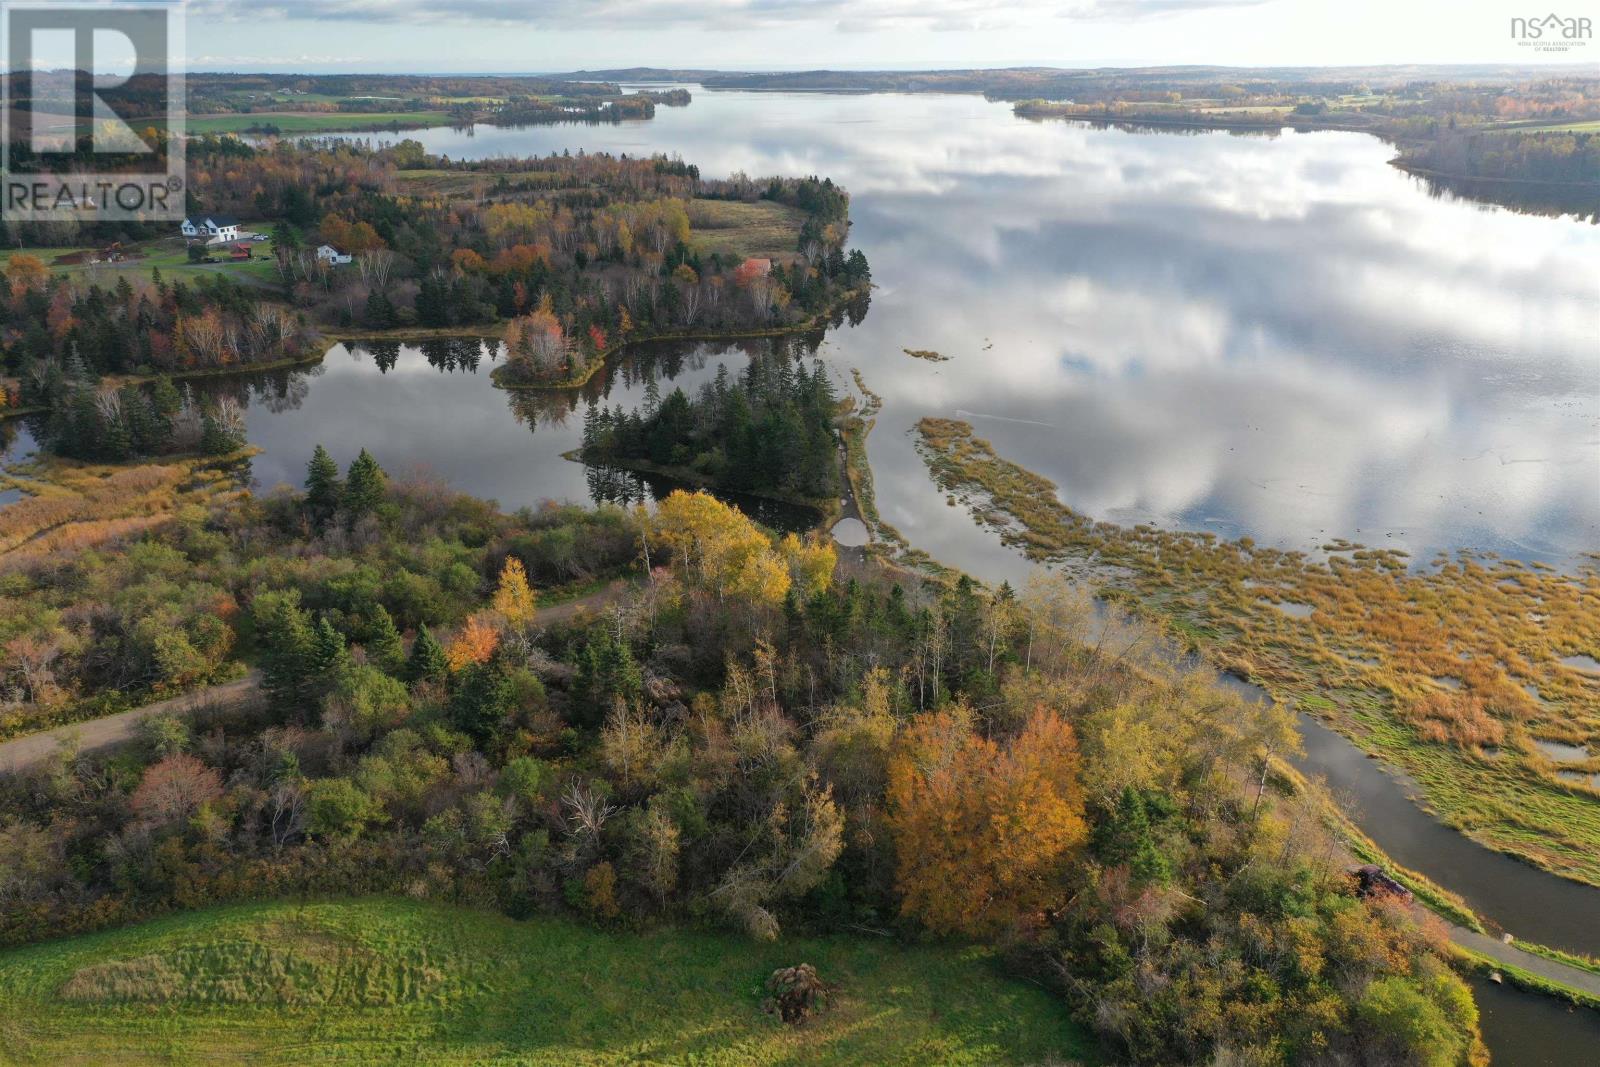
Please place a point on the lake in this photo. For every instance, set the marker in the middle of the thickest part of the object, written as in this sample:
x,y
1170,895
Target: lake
x,y
1278,336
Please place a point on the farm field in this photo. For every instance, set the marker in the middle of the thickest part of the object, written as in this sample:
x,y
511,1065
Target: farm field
x,y
391,981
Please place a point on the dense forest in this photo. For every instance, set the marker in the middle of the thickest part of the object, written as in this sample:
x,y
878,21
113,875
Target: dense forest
x,y
583,251
753,736
770,432
1553,157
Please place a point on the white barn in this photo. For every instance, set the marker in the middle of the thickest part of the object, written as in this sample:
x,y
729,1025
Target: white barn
x,y
332,256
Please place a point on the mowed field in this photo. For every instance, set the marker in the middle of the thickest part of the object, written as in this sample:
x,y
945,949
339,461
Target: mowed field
x,y
392,981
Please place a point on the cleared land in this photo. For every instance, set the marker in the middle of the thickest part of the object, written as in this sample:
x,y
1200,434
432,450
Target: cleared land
x,y
736,229
389,981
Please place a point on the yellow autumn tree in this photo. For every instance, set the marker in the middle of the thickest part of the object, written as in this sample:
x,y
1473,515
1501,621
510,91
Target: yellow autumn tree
x,y
514,598
810,562
716,547
474,644
982,831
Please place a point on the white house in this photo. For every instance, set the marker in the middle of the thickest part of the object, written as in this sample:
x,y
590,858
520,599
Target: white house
x,y
216,229
332,256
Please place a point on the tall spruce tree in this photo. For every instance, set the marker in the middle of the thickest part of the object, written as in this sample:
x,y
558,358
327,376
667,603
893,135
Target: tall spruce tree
x,y
324,490
364,486
427,661
384,647
287,643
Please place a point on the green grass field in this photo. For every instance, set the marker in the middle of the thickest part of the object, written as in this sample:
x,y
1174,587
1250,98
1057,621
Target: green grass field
x,y
291,122
170,255
391,981
1591,126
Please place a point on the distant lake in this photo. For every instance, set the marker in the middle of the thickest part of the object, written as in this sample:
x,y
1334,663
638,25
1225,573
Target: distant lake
x,y
1280,336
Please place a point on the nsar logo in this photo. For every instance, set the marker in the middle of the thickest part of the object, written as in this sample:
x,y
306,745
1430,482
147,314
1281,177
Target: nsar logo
x,y
1553,33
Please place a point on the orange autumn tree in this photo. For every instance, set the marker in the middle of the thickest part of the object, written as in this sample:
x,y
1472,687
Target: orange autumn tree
x,y
983,830
474,644
25,273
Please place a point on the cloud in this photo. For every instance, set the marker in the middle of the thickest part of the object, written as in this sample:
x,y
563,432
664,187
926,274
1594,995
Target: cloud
x,y
847,15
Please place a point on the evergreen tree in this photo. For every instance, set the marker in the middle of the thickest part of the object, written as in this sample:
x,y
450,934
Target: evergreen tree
x,y
323,487
365,484
328,652
482,700
1126,837
427,661
165,399
384,647
217,438
287,643
145,430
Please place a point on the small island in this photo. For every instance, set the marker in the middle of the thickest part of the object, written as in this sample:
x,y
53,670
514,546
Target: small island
x,y
770,433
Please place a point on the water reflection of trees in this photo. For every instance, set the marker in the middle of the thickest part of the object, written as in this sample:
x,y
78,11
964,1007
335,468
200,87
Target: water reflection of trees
x,y
10,430
272,391
1554,200
656,361
1551,199
451,354
445,354
610,485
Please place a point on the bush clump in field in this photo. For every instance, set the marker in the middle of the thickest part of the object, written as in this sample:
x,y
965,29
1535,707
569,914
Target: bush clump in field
x,y
795,994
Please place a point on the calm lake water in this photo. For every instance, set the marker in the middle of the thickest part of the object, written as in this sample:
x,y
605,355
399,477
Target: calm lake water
x,y
1275,336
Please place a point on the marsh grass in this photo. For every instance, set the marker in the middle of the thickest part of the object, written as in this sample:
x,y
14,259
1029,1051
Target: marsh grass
x,y
1368,655
390,981
69,506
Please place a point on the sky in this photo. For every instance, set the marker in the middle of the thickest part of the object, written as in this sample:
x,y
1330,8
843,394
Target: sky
x,y
516,36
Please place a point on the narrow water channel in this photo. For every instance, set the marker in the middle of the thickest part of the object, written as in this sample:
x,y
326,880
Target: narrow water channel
x,y
1516,897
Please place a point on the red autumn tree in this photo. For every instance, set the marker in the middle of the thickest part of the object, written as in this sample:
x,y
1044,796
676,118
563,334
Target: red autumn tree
x,y
174,789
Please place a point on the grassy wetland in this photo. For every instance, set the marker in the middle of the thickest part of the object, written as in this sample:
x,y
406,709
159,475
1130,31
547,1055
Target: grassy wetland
x,y
1474,674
